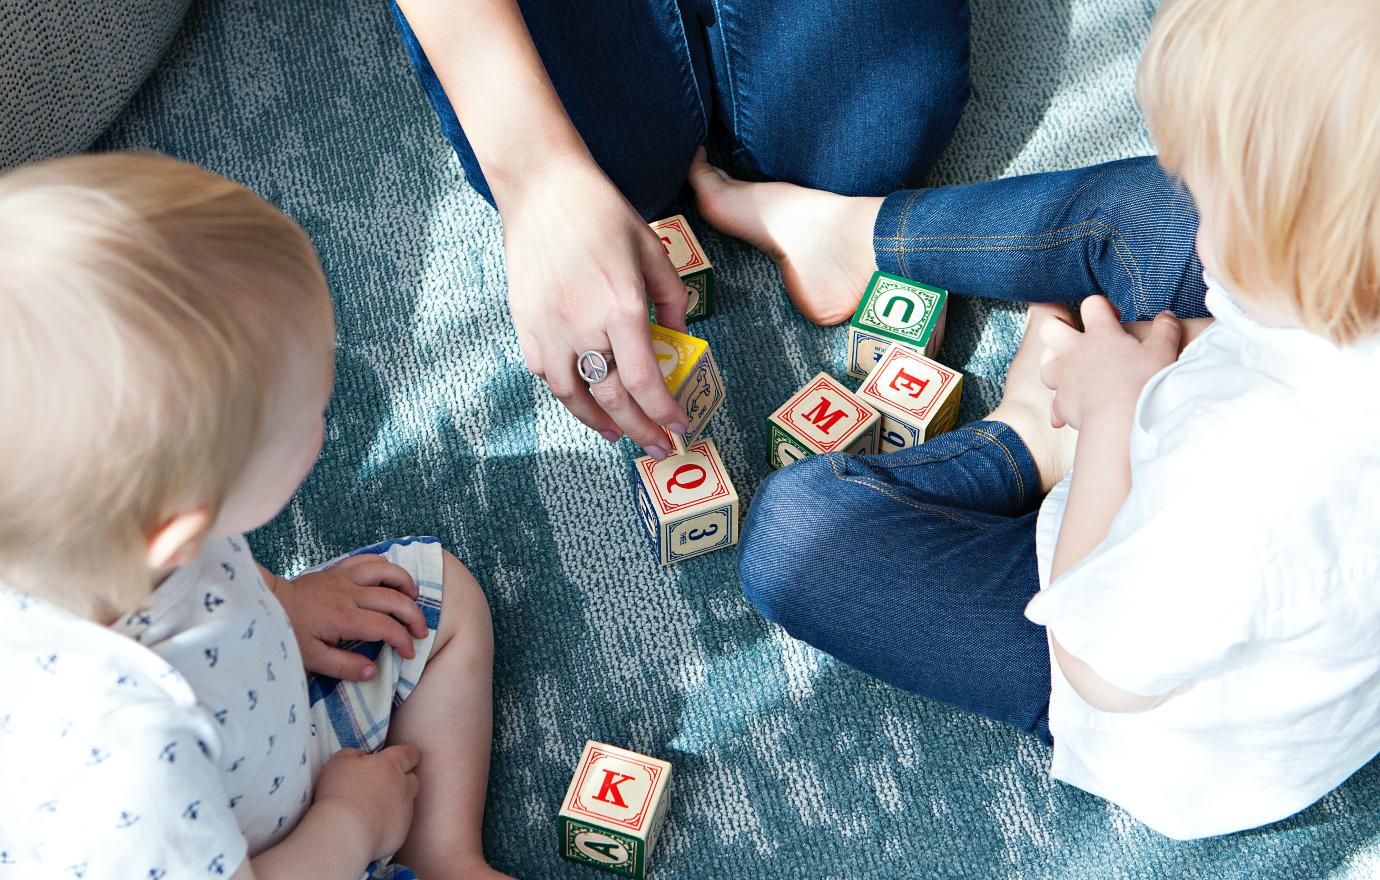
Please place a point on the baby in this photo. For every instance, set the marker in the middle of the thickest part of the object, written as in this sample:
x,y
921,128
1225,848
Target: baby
x,y
166,358
1191,615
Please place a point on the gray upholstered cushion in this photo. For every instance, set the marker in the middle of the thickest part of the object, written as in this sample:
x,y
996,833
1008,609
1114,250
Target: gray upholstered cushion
x,y
68,67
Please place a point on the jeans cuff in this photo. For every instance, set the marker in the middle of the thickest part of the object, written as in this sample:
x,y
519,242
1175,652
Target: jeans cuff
x,y
1024,474
888,241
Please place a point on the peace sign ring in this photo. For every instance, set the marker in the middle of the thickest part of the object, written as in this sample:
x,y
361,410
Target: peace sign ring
x,y
594,366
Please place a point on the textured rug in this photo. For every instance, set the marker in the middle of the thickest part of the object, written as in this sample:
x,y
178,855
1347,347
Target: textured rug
x,y
787,764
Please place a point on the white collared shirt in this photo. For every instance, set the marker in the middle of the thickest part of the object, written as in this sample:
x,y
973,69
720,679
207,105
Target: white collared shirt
x,y
1241,576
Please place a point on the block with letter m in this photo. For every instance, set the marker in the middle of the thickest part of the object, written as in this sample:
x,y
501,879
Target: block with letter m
x,y
823,416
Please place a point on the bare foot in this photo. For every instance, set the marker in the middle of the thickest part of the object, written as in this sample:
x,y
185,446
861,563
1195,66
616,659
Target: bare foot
x,y
1025,403
822,242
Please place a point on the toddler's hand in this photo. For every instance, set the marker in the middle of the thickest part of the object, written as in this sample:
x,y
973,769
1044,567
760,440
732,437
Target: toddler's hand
x,y
363,597
378,789
1104,367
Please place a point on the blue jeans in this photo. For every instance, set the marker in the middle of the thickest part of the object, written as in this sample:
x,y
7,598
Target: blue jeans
x,y
842,103
914,567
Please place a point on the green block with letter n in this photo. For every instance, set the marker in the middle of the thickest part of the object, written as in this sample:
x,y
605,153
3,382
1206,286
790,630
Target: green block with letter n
x,y
893,309
602,848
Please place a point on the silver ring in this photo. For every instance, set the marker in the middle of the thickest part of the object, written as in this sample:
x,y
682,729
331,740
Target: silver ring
x,y
594,366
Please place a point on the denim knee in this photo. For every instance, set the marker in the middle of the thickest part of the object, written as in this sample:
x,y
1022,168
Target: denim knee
x,y
784,545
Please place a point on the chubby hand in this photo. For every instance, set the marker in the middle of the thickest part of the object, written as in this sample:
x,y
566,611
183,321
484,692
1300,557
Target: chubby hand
x,y
364,598
1104,367
378,789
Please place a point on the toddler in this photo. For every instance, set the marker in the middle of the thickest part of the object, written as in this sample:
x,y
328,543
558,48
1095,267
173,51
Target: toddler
x,y
165,361
1192,616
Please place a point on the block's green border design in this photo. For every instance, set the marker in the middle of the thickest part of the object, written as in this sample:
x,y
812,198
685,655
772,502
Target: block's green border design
x,y
634,867
703,283
866,320
774,433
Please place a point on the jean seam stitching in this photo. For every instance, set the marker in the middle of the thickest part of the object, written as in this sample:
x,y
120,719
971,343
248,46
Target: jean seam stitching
x,y
730,80
1011,459
893,495
687,72
1045,234
901,228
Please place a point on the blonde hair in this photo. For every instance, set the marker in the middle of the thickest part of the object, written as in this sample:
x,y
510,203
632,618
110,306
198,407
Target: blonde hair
x,y
145,303
1270,111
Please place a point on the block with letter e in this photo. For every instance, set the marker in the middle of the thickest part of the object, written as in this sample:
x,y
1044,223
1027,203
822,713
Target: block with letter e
x,y
917,397
687,502
691,263
824,416
614,809
895,309
693,378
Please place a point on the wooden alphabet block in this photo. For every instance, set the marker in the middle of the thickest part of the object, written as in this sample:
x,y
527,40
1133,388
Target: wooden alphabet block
x,y
687,502
917,397
690,261
688,367
614,809
895,309
824,416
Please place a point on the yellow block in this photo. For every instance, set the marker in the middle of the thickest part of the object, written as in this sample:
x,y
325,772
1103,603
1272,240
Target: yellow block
x,y
676,354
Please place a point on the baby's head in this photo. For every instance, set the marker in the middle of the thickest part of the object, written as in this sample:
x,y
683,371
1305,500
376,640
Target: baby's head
x,y
166,355
1269,110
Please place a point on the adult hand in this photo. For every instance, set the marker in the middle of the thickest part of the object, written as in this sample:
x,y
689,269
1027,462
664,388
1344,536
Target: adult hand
x,y
364,598
1104,367
378,789
581,267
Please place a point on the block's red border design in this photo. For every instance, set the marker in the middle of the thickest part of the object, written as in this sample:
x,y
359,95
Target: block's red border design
x,y
633,824
789,412
703,448
946,376
696,255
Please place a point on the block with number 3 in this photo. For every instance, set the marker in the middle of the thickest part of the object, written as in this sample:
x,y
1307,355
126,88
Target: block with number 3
x,y
687,503
696,272
614,809
895,309
824,416
693,378
917,397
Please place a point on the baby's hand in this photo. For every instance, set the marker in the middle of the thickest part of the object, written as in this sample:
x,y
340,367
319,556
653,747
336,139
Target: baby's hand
x,y
1104,367
365,598
378,789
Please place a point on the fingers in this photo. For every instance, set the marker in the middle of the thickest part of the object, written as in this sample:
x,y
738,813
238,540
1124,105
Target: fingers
x,y
395,605
570,388
405,755
664,287
1166,332
371,626
635,394
323,659
1098,312
371,569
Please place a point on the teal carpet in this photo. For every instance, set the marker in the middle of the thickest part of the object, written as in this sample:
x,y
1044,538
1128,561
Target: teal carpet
x,y
787,764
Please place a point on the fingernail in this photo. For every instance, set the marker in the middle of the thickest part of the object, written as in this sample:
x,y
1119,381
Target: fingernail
x,y
611,436
368,672
656,452
677,427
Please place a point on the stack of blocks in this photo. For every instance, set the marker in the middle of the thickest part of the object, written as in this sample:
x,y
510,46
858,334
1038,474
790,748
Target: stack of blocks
x,y
905,399
693,266
614,809
687,502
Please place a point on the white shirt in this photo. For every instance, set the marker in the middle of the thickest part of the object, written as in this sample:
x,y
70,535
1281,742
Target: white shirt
x,y
1242,576
168,746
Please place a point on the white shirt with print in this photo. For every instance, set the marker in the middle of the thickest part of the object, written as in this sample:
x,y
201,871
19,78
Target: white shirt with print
x,y
1241,576
168,746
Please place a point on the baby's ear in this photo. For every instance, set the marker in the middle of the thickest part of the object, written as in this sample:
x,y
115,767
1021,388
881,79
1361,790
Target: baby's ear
x,y
178,539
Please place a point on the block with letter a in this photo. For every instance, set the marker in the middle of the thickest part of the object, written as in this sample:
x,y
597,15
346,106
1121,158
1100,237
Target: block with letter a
x,y
696,273
688,367
824,416
895,309
687,502
917,397
614,809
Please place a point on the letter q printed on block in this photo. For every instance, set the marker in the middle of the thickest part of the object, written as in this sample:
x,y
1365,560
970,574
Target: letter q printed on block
x,y
693,379
686,502
693,266
917,397
895,309
824,416
614,809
